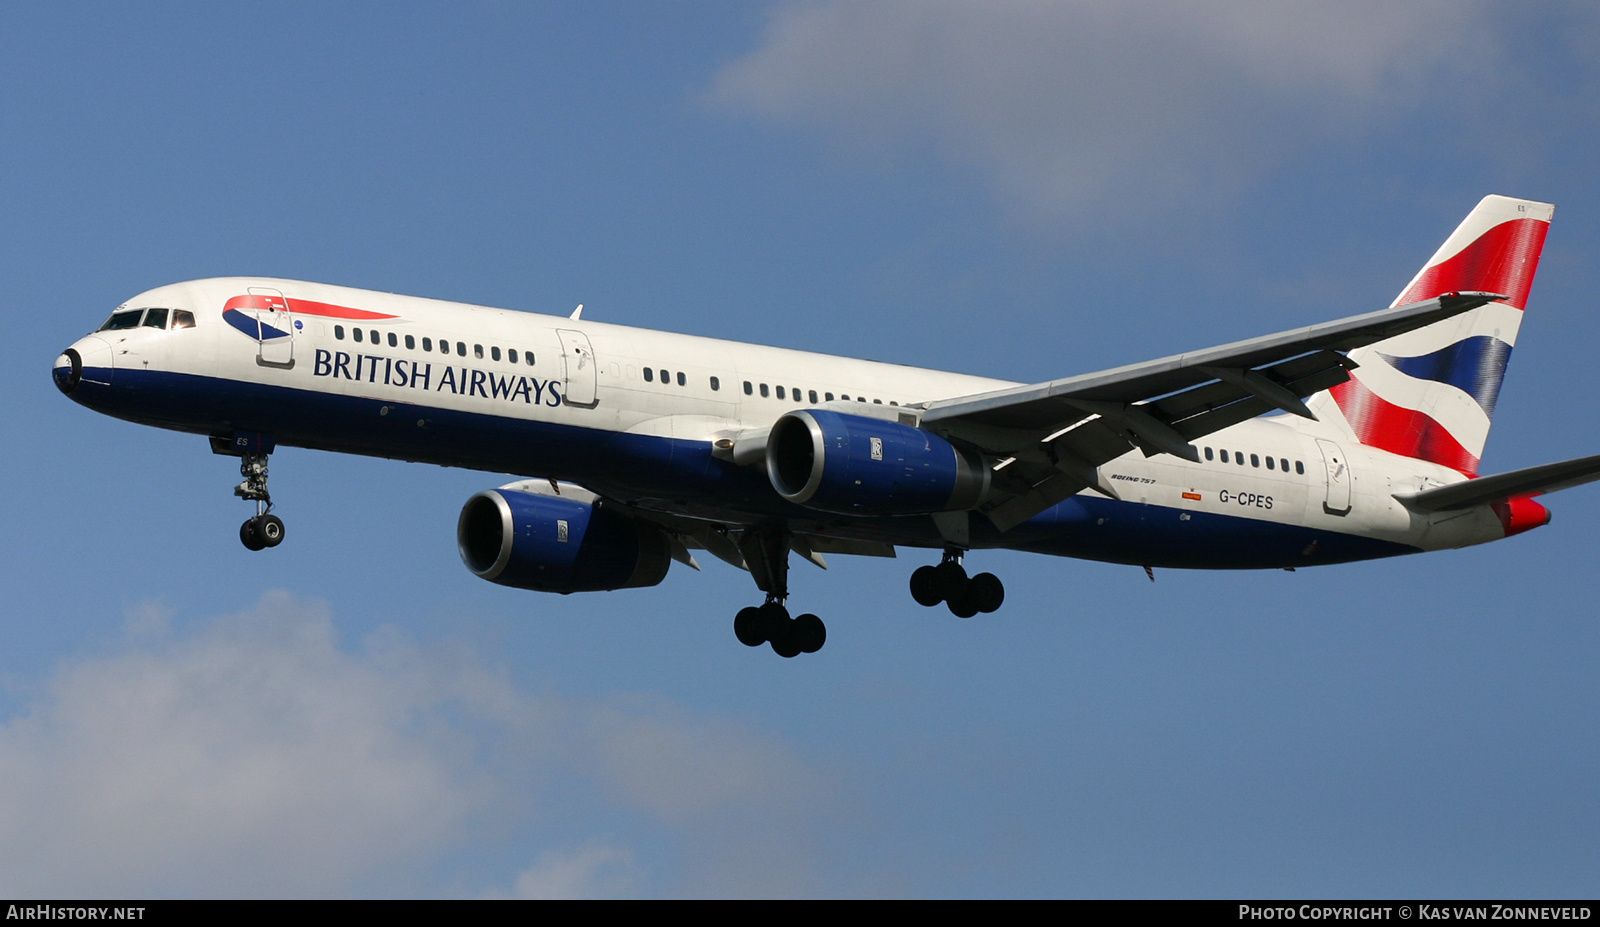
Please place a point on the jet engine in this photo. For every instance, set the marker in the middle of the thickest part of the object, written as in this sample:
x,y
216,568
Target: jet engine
x,y
855,465
558,544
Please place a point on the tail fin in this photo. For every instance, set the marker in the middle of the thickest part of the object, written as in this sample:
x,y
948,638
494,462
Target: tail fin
x,y
1430,393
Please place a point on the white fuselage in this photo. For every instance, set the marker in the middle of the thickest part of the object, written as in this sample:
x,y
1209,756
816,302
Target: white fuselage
x,y
651,417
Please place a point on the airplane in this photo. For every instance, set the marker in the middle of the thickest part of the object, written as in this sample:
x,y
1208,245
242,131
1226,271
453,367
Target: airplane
x,y
1342,441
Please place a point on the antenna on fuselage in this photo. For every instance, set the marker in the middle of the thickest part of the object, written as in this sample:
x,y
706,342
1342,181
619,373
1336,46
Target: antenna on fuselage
x,y
576,313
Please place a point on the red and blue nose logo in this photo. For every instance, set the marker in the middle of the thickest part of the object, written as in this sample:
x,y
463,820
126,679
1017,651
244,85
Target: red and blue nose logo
x,y
249,314
252,326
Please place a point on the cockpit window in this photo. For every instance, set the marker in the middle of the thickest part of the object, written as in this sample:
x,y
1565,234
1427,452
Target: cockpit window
x,y
155,318
122,319
182,318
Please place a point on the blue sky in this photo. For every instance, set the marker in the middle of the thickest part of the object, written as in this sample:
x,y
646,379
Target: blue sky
x,y
1018,190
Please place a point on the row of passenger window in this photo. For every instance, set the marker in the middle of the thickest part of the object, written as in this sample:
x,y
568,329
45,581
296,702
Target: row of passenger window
x,y
374,337
750,388
809,395
1273,463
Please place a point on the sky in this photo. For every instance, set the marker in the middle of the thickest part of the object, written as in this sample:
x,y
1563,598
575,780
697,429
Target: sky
x,y
1019,190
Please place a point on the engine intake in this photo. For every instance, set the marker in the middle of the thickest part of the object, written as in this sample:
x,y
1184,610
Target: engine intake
x,y
854,465
554,544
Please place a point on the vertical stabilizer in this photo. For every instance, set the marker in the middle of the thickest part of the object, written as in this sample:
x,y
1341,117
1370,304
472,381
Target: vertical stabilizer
x,y
1430,393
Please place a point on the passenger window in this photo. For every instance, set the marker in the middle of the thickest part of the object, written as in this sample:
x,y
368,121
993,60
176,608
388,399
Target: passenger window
x,y
528,356
747,389
1269,464
461,348
411,342
393,341
1255,461
649,375
764,393
182,318
355,333
877,402
494,353
338,332
811,395
427,344
828,397
780,393
1283,462
511,355
1300,467
666,378
682,380
155,318
477,351
715,384
374,334
1208,453
1238,457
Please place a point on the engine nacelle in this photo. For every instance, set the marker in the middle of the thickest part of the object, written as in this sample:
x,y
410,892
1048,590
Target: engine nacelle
x,y
866,466
556,544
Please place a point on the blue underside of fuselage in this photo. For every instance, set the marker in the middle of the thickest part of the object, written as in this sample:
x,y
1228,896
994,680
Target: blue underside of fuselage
x,y
683,477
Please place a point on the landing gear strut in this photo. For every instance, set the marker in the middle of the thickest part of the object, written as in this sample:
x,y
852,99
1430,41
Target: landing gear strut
x,y
766,552
948,583
265,529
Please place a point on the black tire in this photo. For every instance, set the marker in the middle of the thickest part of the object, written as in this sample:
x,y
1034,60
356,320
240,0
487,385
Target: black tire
x,y
772,621
925,586
951,580
986,592
747,627
810,633
786,643
962,605
270,529
249,536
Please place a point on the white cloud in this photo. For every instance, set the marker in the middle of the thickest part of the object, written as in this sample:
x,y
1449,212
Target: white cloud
x,y
595,871
1072,103
259,757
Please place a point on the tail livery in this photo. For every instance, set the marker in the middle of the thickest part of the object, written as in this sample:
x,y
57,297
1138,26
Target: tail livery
x,y
1430,393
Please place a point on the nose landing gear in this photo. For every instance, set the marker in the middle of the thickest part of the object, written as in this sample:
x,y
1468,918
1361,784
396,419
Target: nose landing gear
x,y
265,529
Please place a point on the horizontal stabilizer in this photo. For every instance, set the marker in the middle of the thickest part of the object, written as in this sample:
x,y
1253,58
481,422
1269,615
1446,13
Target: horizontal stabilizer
x,y
1529,481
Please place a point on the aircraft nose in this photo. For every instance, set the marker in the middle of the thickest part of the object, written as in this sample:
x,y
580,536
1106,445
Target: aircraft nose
x,y
88,359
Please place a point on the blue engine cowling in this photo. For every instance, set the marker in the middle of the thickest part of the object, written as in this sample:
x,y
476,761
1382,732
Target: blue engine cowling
x,y
855,465
555,544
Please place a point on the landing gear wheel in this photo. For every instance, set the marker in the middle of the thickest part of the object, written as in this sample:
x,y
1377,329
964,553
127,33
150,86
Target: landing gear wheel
x,y
786,642
950,580
270,529
749,628
925,586
810,633
250,536
986,592
962,605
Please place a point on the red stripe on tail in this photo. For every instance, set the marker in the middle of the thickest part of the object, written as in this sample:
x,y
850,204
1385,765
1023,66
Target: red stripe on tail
x,y
1382,424
1502,260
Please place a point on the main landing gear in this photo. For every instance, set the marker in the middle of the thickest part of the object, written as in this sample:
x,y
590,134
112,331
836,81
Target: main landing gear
x,y
265,529
948,583
766,552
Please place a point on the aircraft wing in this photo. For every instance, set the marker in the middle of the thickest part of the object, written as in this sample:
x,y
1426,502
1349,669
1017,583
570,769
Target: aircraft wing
x,y
1529,481
1051,437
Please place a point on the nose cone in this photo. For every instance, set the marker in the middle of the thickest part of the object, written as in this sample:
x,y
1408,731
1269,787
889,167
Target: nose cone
x,y
88,359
